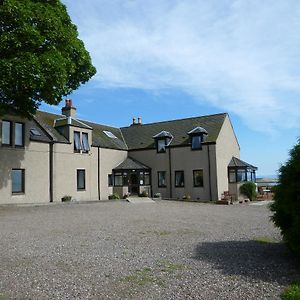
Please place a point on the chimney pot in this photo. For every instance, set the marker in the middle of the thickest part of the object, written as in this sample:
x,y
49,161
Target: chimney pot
x,y
133,120
140,120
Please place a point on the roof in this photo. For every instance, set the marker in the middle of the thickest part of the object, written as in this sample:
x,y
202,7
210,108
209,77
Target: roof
x,y
238,163
131,164
141,137
135,137
100,139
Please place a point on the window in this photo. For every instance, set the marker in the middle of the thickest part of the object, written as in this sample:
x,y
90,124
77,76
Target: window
x,y
35,132
232,176
6,132
125,178
161,179
19,134
198,178
109,134
196,142
110,180
118,179
161,146
18,181
85,143
179,179
146,178
77,144
80,180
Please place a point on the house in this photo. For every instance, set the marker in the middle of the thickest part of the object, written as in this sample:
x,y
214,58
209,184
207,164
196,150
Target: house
x,y
51,156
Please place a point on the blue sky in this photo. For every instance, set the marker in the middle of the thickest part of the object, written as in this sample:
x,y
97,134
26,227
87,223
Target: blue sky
x,y
163,59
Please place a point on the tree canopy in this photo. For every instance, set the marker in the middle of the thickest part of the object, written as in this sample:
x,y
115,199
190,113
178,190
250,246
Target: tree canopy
x,y
41,57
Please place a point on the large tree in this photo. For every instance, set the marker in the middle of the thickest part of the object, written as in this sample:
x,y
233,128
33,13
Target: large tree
x,y
41,57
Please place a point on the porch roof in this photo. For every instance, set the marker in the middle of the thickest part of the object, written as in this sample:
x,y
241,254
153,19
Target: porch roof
x,y
131,164
240,164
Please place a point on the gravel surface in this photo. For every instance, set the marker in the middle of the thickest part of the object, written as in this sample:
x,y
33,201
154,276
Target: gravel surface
x,y
162,250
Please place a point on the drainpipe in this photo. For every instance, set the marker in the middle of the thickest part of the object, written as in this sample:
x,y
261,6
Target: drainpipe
x,y
98,175
51,171
170,172
209,171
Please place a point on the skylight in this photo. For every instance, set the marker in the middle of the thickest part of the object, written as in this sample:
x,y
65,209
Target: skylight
x,y
110,134
35,132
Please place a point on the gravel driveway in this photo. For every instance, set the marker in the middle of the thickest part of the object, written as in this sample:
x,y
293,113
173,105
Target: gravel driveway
x,y
164,250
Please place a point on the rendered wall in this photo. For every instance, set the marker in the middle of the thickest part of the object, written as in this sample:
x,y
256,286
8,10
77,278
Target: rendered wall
x,y
34,158
227,146
109,159
182,159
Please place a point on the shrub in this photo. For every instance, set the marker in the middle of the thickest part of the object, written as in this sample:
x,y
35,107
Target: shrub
x,y
157,195
286,206
186,197
248,189
143,194
114,196
292,292
66,198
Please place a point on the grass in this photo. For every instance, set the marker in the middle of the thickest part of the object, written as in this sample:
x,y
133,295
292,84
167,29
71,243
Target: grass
x,y
292,292
3,297
265,240
144,277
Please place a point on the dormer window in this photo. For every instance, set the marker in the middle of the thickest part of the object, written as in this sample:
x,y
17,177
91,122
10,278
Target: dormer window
x,y
162,140
81,144
197,137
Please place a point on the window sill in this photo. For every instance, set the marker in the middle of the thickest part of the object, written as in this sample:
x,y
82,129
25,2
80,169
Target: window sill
x,y
18,194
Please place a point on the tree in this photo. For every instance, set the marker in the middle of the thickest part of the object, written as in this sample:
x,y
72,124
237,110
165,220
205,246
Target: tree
x,y
41,57
286,206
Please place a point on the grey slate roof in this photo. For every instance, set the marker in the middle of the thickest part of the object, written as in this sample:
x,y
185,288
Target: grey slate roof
x,y
136,136
236,162
141,136
42,137
131,164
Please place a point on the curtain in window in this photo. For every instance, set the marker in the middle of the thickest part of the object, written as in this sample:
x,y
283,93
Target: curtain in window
x,y
196,142
179,179
19,139
161,146
77,144
85,142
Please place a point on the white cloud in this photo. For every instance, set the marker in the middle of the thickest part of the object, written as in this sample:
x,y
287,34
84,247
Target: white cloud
x,y
241,56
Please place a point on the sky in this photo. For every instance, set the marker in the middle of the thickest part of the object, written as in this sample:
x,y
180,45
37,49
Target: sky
x,y
171,59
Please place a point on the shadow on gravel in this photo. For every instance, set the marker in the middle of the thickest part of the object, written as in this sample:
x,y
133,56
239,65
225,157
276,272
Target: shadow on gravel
x,y
269,262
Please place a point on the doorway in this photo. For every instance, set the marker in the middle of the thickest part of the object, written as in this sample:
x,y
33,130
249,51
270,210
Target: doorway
x,y
133,183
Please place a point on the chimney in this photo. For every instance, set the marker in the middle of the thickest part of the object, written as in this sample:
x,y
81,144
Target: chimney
x,y
139,121
69,110
133,121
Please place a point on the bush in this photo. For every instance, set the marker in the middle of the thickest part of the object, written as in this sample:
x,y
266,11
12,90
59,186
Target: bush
x,y
186,197
286,206
248,189
114,196
66,198
157,195
143,194
292,292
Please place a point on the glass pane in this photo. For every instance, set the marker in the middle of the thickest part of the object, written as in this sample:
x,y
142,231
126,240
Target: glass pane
x,y
241,175
118,180
17,181
232,177
19,140
6,132
162,178
110,181
125,178
85,142
198,178
179,179
196,142
81,179
147,179
161,146
77,144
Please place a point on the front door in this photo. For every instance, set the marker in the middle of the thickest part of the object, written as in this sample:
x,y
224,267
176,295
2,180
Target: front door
x,y
133,185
